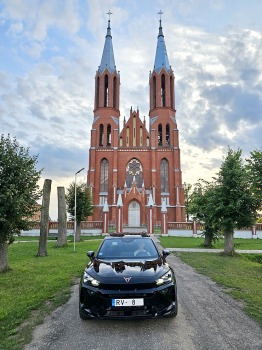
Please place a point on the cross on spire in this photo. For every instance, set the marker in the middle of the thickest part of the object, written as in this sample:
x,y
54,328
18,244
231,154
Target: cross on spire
x,y
109,13
160,13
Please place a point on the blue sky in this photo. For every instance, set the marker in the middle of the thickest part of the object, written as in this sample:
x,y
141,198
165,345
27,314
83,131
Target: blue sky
x,y
50,51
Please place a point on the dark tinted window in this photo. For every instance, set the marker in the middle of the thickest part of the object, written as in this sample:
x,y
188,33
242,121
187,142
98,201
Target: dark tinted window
x,y
127,248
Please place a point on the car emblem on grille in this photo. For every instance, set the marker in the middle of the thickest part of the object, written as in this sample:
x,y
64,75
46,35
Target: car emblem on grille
x,y
127,279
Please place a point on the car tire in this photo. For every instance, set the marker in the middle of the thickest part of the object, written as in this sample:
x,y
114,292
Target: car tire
x,y
173,313
82,314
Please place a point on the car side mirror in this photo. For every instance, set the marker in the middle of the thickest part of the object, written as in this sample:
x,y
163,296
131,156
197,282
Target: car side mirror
x,y
165,253
91,254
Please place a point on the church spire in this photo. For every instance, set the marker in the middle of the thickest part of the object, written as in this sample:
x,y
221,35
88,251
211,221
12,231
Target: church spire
x,y
108,60
161,59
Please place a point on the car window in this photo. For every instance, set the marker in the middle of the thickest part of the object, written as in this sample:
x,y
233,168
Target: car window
x,y
127,248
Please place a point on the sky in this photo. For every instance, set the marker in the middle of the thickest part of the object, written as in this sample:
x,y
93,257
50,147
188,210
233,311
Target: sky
x,y
50,51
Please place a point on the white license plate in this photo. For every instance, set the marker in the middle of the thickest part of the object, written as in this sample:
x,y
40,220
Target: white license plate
x,y
128,302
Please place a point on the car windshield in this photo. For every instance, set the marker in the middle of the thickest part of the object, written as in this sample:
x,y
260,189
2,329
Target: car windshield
x,y
127,248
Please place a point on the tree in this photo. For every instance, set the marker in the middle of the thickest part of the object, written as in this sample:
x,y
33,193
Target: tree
x,y
236,203
254,169
19,192
188,196
203,200
84,205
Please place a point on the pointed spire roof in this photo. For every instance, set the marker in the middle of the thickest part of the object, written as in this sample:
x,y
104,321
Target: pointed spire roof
x,y
161,59
108,60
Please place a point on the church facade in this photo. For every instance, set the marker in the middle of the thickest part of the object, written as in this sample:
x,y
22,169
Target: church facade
x,y
134,173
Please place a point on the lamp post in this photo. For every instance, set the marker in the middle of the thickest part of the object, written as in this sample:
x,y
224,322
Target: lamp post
x,y
75,210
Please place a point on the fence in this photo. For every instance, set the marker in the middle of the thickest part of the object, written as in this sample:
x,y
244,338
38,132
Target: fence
x,y
87,227
189,229
185,229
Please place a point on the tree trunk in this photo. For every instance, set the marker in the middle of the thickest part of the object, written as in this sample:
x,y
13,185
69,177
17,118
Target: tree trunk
x,y
3,257
229,242
78,231
44,226
208,241
62,219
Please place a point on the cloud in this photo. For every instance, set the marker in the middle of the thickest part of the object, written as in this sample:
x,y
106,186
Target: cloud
x,y
35,18
50,52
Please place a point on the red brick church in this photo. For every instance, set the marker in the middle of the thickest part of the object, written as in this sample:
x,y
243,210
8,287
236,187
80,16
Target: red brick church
x,y
134,174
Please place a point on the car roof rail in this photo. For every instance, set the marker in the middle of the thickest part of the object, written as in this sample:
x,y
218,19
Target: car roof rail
x,y
122,234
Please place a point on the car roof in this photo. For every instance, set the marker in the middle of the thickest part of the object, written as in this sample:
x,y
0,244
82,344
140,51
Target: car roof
x,y
128,235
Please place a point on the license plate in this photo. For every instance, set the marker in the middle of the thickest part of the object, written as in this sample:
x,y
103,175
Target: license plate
x,y
128,302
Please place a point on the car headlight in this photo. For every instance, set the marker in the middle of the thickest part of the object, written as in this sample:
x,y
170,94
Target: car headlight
x,y
90,280
166,278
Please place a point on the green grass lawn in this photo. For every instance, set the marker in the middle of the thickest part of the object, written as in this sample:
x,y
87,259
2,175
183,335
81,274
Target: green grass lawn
x,y
36,285
241,275
191,242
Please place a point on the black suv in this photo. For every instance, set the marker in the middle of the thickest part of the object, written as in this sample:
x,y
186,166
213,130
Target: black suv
x,y
127,278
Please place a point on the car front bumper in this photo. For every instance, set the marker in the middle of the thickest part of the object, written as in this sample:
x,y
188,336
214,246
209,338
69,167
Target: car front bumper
x,y
97,303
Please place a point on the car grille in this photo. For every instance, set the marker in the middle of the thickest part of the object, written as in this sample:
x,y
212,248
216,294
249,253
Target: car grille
x,y
127,286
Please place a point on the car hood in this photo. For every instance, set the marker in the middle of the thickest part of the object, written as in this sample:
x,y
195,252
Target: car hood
x,y
116,270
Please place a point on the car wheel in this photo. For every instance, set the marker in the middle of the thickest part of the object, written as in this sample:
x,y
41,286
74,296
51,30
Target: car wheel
x,y
82,314
173,313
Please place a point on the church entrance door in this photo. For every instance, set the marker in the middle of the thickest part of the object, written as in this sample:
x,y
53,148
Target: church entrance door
x,y
134,214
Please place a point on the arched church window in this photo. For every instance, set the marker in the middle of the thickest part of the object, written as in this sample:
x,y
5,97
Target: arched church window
x,y
114,93
163,90
101,134
134,172
154,92
108,135
160,135
97,92
164,176
104,175
167,135
106,91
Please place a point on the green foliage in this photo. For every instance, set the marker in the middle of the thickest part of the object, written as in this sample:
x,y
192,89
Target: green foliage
x,y
18,188
231,201
188,199
254,168
84,205
203,200
236,204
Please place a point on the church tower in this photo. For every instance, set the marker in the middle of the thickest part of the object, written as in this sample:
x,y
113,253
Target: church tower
x,y
105,129
134,174
164,138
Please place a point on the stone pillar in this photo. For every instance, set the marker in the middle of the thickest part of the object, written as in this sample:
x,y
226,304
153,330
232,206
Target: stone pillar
x,y
194,229
150,204
163,217
105,219
254,232
119,224
62,219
